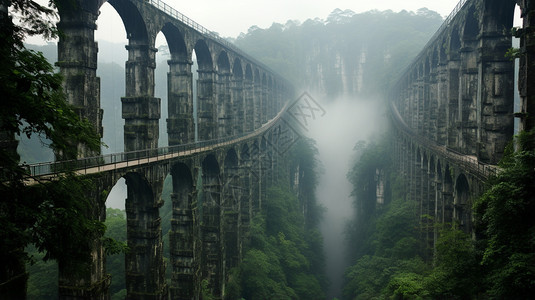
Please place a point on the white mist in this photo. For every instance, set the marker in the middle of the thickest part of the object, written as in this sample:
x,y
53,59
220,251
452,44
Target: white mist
x,y
346,122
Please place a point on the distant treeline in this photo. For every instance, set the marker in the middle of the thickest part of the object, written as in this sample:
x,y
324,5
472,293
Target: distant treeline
x,y
346,54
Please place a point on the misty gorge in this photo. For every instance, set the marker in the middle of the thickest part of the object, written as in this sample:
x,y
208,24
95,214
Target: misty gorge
x,y
376,154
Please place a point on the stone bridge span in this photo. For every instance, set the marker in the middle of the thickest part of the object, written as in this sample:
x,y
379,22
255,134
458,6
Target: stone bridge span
x,y
219,181
453,107
235,92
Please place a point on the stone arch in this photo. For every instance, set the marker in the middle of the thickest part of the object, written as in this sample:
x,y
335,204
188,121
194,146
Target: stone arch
x,y
134,23
182,234
237,69
461,202
443,56
470,28
497,15
204,56
176,42
223,63
454,44
248,72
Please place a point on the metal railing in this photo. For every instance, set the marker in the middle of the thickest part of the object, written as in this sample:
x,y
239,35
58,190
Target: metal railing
x,y
114,161
166,8
467,162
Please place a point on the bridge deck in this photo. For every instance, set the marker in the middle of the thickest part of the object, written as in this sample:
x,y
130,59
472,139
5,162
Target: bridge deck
x,y
470,162
105,163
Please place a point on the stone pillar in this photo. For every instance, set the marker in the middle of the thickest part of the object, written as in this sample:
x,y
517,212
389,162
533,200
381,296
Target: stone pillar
x,y
420,105
77,60
211,230
447,199
258,113
495,96
225,114
442,100
248,91
246,213
467,107
433,105
181,236
230,214
206,106
90,280
141,110
526,82
145,268
238,111
265,101
452,104
180,125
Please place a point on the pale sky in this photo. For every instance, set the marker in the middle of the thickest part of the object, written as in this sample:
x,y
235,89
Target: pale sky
x,y
230,18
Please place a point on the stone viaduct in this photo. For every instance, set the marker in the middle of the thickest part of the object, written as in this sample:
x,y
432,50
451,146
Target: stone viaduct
x,y
453,108
218,181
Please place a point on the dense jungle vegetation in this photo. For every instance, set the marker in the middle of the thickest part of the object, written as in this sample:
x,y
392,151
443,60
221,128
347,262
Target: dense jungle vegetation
x,y
391,260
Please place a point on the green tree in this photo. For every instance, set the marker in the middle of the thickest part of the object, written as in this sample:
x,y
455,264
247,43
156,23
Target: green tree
x,y
55,217
505,217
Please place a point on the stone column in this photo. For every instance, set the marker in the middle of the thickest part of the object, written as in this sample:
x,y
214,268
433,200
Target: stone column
x,y
258,113
452,104
230,214
224,106
248,91
433,105
211,230
141,110
206,106
495,96
467,107
442,100
238,111
265,103
181,236
145,268
180,126
526,82
90,280
77,60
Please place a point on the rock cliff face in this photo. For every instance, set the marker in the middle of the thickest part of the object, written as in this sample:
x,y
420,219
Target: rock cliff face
x,y
347,54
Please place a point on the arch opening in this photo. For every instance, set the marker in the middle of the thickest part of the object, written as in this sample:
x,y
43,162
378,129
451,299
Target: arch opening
x,y
112,56
161,85
116,221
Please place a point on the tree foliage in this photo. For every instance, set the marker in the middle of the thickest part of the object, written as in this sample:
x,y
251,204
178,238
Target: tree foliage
x,y
284,258
56,217
497,264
